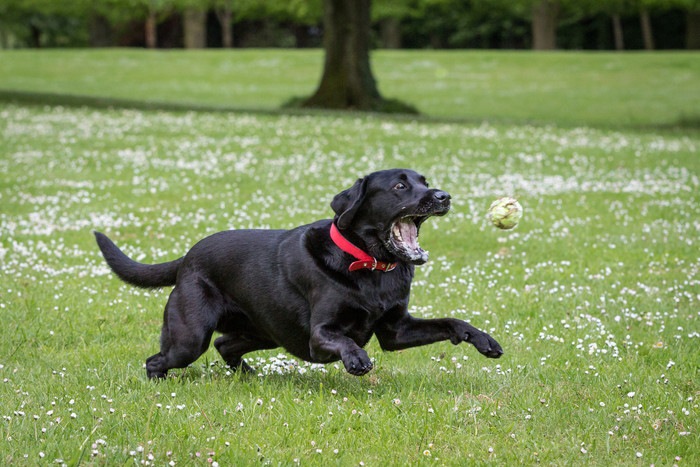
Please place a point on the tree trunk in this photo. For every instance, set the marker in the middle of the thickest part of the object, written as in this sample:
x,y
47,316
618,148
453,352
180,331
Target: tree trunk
x,y
347,81
692,33
647,32
617,32
35,34
101,34
544,24
225,16
391,33
151,30
195,24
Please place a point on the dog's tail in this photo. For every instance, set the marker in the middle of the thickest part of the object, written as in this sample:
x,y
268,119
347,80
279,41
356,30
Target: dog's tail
x,y
132,272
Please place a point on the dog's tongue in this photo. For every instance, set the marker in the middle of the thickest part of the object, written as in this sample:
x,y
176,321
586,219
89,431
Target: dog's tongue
x,y
409,233
404,240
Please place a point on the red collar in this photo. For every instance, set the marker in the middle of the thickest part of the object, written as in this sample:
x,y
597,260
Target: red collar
x,y
365,261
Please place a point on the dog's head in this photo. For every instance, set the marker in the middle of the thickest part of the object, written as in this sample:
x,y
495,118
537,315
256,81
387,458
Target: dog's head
x,y
385,210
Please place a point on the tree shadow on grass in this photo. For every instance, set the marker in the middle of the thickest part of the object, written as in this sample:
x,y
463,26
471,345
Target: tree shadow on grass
x,y
390,109
382,106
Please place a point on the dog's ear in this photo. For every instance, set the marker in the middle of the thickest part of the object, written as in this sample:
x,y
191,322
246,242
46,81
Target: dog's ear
x,y
347,202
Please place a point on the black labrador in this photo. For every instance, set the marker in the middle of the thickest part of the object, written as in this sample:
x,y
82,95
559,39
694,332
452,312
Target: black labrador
x,y
320,290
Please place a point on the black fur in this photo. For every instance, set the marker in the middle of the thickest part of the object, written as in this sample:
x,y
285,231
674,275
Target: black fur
x,y
263,289
140,275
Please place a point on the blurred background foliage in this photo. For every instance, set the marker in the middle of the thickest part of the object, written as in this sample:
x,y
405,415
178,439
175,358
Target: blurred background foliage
x,y
510,24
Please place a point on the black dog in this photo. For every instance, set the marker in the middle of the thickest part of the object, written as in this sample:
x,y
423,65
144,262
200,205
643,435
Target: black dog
x,y
320,290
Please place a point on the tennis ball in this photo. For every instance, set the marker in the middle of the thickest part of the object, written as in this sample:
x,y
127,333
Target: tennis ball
x,y
505,213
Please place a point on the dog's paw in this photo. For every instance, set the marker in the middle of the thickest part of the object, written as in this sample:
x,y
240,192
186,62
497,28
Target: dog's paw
x,y
485,344
156,367
357,362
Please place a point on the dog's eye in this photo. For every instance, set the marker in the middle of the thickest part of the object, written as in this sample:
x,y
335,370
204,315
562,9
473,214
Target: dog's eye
x,y
399,186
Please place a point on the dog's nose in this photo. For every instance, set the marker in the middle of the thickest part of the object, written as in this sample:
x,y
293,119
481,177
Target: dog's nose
x,y
441,196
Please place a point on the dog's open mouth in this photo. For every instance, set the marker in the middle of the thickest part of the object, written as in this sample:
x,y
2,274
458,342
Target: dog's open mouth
x,y
403,239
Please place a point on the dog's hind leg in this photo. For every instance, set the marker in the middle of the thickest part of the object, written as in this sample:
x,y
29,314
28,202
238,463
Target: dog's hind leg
x,y
188,324
233,346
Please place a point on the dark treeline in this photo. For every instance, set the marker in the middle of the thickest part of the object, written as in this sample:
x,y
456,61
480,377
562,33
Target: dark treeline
x,y
511,24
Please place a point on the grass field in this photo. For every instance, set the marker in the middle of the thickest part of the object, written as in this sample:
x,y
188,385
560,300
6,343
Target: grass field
x,y
594,297
564,88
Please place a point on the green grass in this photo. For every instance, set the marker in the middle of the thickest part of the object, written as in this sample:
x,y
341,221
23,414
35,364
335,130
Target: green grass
x,y
602,89
594,296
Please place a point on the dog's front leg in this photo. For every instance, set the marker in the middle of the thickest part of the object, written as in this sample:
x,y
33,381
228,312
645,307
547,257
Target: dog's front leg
x,y
399,330
329,343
